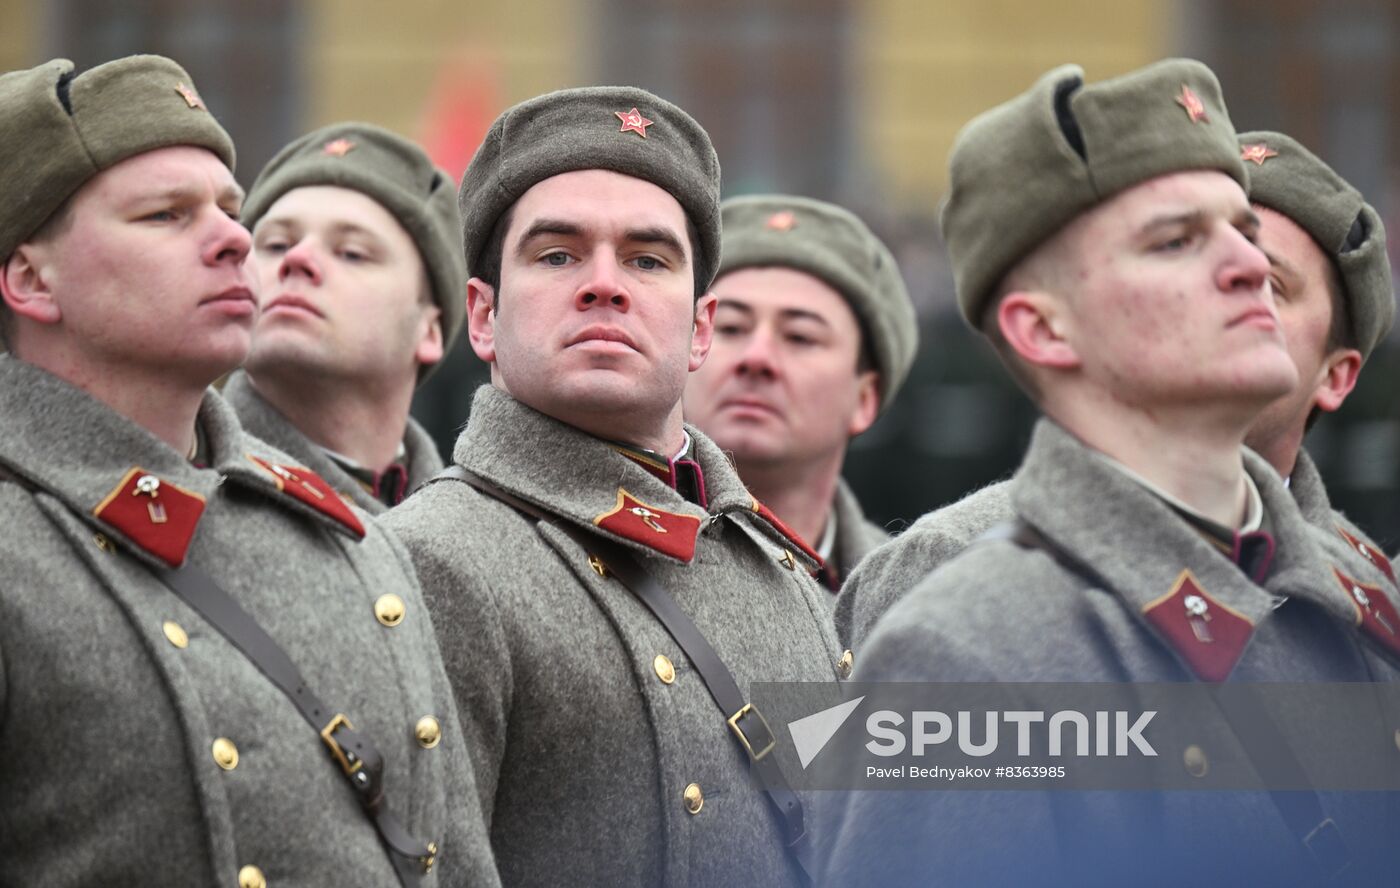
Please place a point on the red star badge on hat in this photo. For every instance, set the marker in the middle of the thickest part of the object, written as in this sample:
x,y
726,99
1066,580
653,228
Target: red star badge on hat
x,y
633,122
189,95
339,147
1195,108
782,221
1258,152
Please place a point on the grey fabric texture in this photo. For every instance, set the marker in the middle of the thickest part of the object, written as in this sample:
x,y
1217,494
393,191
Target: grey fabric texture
x,y
106,727
856,535
400,177
112,112
999,612
833,245
1288,178
1016,175
264,421
580,129
582,753
888,573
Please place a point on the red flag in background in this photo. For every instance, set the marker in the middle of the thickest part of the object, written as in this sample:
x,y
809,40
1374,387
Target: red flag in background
x,y
464,101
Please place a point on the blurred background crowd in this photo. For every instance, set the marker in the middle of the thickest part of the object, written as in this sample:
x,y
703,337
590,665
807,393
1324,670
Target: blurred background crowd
x,y
851,101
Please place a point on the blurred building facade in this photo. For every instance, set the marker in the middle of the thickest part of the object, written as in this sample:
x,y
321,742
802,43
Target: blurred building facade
x,y
855,101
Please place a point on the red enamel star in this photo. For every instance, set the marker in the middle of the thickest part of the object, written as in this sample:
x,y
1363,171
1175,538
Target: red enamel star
x,y
782,221
1258,152
1195,108
339,147
189,95
633,122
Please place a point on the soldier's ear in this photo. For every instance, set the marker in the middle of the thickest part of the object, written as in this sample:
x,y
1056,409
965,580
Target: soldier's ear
x,y
703,330
867,402
430,350
1338,379
481,319
1033,324
25,285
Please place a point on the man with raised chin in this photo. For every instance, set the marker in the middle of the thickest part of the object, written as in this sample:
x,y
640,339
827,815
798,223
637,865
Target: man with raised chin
x,y
604,586
215,671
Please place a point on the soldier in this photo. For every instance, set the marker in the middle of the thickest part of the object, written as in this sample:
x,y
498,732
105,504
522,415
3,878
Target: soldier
x,y
1331,280
1126,294
814,334
603,579
185,609
356,245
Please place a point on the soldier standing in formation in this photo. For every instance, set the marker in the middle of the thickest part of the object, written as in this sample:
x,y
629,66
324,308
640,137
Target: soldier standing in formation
x,y
1127,295
604,586
1331,279
357,249
185,610
814,334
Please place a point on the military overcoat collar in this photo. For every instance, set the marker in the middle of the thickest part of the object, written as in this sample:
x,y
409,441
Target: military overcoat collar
x,y
586,481
96,461
1166,574
1309,491
265,421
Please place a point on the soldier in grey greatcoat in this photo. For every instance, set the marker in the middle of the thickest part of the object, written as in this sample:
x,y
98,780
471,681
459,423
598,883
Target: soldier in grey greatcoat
x,y
1331,278
592,235
138,745
814,334
1127,295
357,249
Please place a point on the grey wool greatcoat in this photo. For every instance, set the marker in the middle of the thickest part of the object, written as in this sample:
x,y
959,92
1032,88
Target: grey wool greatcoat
x,y
586,722
137,745
892,570
261,419
1006,613
856,535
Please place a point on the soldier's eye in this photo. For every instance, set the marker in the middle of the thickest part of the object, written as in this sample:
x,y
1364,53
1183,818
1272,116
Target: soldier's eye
x,y
648,263
557,259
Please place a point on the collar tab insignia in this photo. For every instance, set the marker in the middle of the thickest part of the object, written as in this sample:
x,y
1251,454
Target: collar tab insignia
x,y
788,533
311,489
669,533
1209,635
1375,615
156,515
1371,554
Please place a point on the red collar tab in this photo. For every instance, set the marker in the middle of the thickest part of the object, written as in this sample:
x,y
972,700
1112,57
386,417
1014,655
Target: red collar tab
x,y
1208,635
1377,558
155,514
767,515
308,487
1374,613
667,532
681,475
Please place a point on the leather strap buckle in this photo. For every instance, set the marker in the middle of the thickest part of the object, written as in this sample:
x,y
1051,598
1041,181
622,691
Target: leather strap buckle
x,y
750,714
349,762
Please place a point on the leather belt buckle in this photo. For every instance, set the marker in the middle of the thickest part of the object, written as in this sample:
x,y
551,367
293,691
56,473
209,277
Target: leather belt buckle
x,y
349,762
750,714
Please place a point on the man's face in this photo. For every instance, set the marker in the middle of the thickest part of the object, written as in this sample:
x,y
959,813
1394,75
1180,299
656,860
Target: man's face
x,y
343,290
780,383
596,318
1168,297
149,270
1300,273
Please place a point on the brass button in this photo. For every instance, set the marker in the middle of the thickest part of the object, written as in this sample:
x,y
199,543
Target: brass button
x,y
251,877
845,664
428,732
175,634
389,609
1194,758
103,543
694,798
665,669
225,754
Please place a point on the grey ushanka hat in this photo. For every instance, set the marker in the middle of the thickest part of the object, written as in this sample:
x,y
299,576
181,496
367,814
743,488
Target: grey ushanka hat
x,y
1289,179
619,128
834,246
1021,171
58,129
